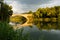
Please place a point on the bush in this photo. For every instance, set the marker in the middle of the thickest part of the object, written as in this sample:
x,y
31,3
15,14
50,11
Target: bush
x,y
6,31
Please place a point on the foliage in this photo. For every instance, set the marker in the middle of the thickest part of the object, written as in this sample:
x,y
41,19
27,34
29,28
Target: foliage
x,y
47,18
5,12
20,34
6,31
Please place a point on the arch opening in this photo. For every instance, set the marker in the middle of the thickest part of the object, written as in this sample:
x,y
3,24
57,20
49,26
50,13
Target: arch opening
x,y
18,19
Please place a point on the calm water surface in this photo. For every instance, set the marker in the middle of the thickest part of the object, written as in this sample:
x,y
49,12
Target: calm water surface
x,y
37,34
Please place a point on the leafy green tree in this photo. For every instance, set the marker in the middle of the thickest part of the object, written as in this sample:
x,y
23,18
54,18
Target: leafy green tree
x,y
47,16
6,31
5,12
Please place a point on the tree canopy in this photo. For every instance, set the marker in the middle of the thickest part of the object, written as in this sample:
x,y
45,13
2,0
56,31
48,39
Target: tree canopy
x,y
5,12
47,18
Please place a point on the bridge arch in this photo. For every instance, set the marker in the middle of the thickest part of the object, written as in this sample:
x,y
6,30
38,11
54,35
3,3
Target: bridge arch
x,y
29,21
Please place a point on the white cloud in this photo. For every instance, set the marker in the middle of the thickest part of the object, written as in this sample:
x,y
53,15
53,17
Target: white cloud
x,y
51,4
17,8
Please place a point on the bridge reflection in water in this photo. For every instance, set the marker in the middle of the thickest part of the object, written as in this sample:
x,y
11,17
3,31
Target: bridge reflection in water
x,y
29,21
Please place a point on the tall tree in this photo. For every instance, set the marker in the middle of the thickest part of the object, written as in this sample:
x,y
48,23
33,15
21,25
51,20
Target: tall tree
x,y
5,12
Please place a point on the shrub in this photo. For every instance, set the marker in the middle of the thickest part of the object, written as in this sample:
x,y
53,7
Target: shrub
x,y
6,31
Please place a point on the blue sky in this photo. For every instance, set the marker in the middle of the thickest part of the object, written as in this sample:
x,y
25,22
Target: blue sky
x,y
20,6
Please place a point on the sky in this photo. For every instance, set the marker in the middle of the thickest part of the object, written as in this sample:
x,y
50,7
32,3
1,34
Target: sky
x,y
21,6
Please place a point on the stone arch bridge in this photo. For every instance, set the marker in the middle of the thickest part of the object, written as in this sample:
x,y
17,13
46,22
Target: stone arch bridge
x,y
29,21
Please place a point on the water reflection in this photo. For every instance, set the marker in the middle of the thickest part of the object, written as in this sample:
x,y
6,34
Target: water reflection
x,y
37,34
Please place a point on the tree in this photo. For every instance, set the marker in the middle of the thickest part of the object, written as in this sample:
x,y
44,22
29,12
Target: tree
x,y
5,12
48,16
6,31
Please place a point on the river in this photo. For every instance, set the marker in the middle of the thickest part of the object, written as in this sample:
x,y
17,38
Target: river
x,y
37,34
